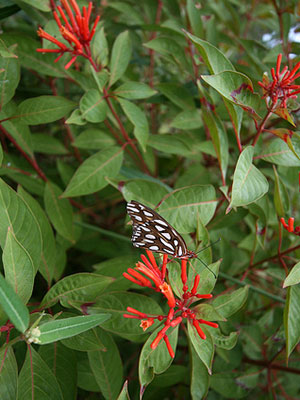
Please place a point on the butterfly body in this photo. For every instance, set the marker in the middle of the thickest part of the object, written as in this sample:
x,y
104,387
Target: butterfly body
x,y
152,232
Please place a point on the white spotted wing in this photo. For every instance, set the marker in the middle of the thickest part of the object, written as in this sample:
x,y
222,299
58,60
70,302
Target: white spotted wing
x,y
154,233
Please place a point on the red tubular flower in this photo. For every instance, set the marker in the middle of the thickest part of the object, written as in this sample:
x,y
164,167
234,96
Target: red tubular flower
x,y
179,308
74,29
290,226
281,87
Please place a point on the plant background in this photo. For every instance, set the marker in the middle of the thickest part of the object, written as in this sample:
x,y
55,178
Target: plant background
x,y
162,123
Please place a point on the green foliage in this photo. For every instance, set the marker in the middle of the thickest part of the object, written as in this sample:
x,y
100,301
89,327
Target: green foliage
x,y
160,104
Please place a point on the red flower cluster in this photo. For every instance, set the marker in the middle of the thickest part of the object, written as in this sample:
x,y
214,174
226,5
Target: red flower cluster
x,y
179,308
75,31
281,87
290,226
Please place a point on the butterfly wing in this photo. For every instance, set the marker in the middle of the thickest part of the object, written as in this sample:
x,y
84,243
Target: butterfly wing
x,y
152,232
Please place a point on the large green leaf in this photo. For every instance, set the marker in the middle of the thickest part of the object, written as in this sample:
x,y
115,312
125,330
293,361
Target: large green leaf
x,y
236,88
293,277
84,287
134,90
199,376
12,305
249,184
229,304
30,58
86,341
59,211
177,94
94,139
120,57
15,214
18,268
9,78
145,192
47,264
93,106
203,347
92,173
183,207
58,329
21,133
36,380
292,318
43,109
107,367
138,118
116,303
8,375
158,360
278,152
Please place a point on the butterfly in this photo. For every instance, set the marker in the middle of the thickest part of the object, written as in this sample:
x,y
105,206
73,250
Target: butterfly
x,y
154,233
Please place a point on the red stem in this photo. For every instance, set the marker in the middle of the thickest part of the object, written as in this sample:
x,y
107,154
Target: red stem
x,y
261,127
31,161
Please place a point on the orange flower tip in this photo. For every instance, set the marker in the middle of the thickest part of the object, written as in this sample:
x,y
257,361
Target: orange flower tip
x,y
146,323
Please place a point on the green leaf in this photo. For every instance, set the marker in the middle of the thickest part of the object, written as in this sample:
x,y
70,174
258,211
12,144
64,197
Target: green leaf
x,y
53,331
203,347
249,184
183,206
229,304
9,374
93,139
39,4
18,268
236,88
124,395
173,144
13,306
195,15
293,277
46,144
116,303
187,119
99,47
213,58
199,376
76,118
120,57
36,380
86,341
148,193
219,138
278,152
134,90
48,262
226,385
84,287
21,133
93,106
138,119
281,197
63,362
107,367
15,214
43,109
208,312
59,211
177,94
30,58
92,173
131,14
222,341
292,319
158,360
9,78
170,49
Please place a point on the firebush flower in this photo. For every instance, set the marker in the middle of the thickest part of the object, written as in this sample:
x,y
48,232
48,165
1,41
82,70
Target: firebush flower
x,y
290,226
179,309
74,28
281,87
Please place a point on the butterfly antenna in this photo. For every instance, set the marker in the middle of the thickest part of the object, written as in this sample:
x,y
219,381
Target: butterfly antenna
x,y
206,266
204,248
210,245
